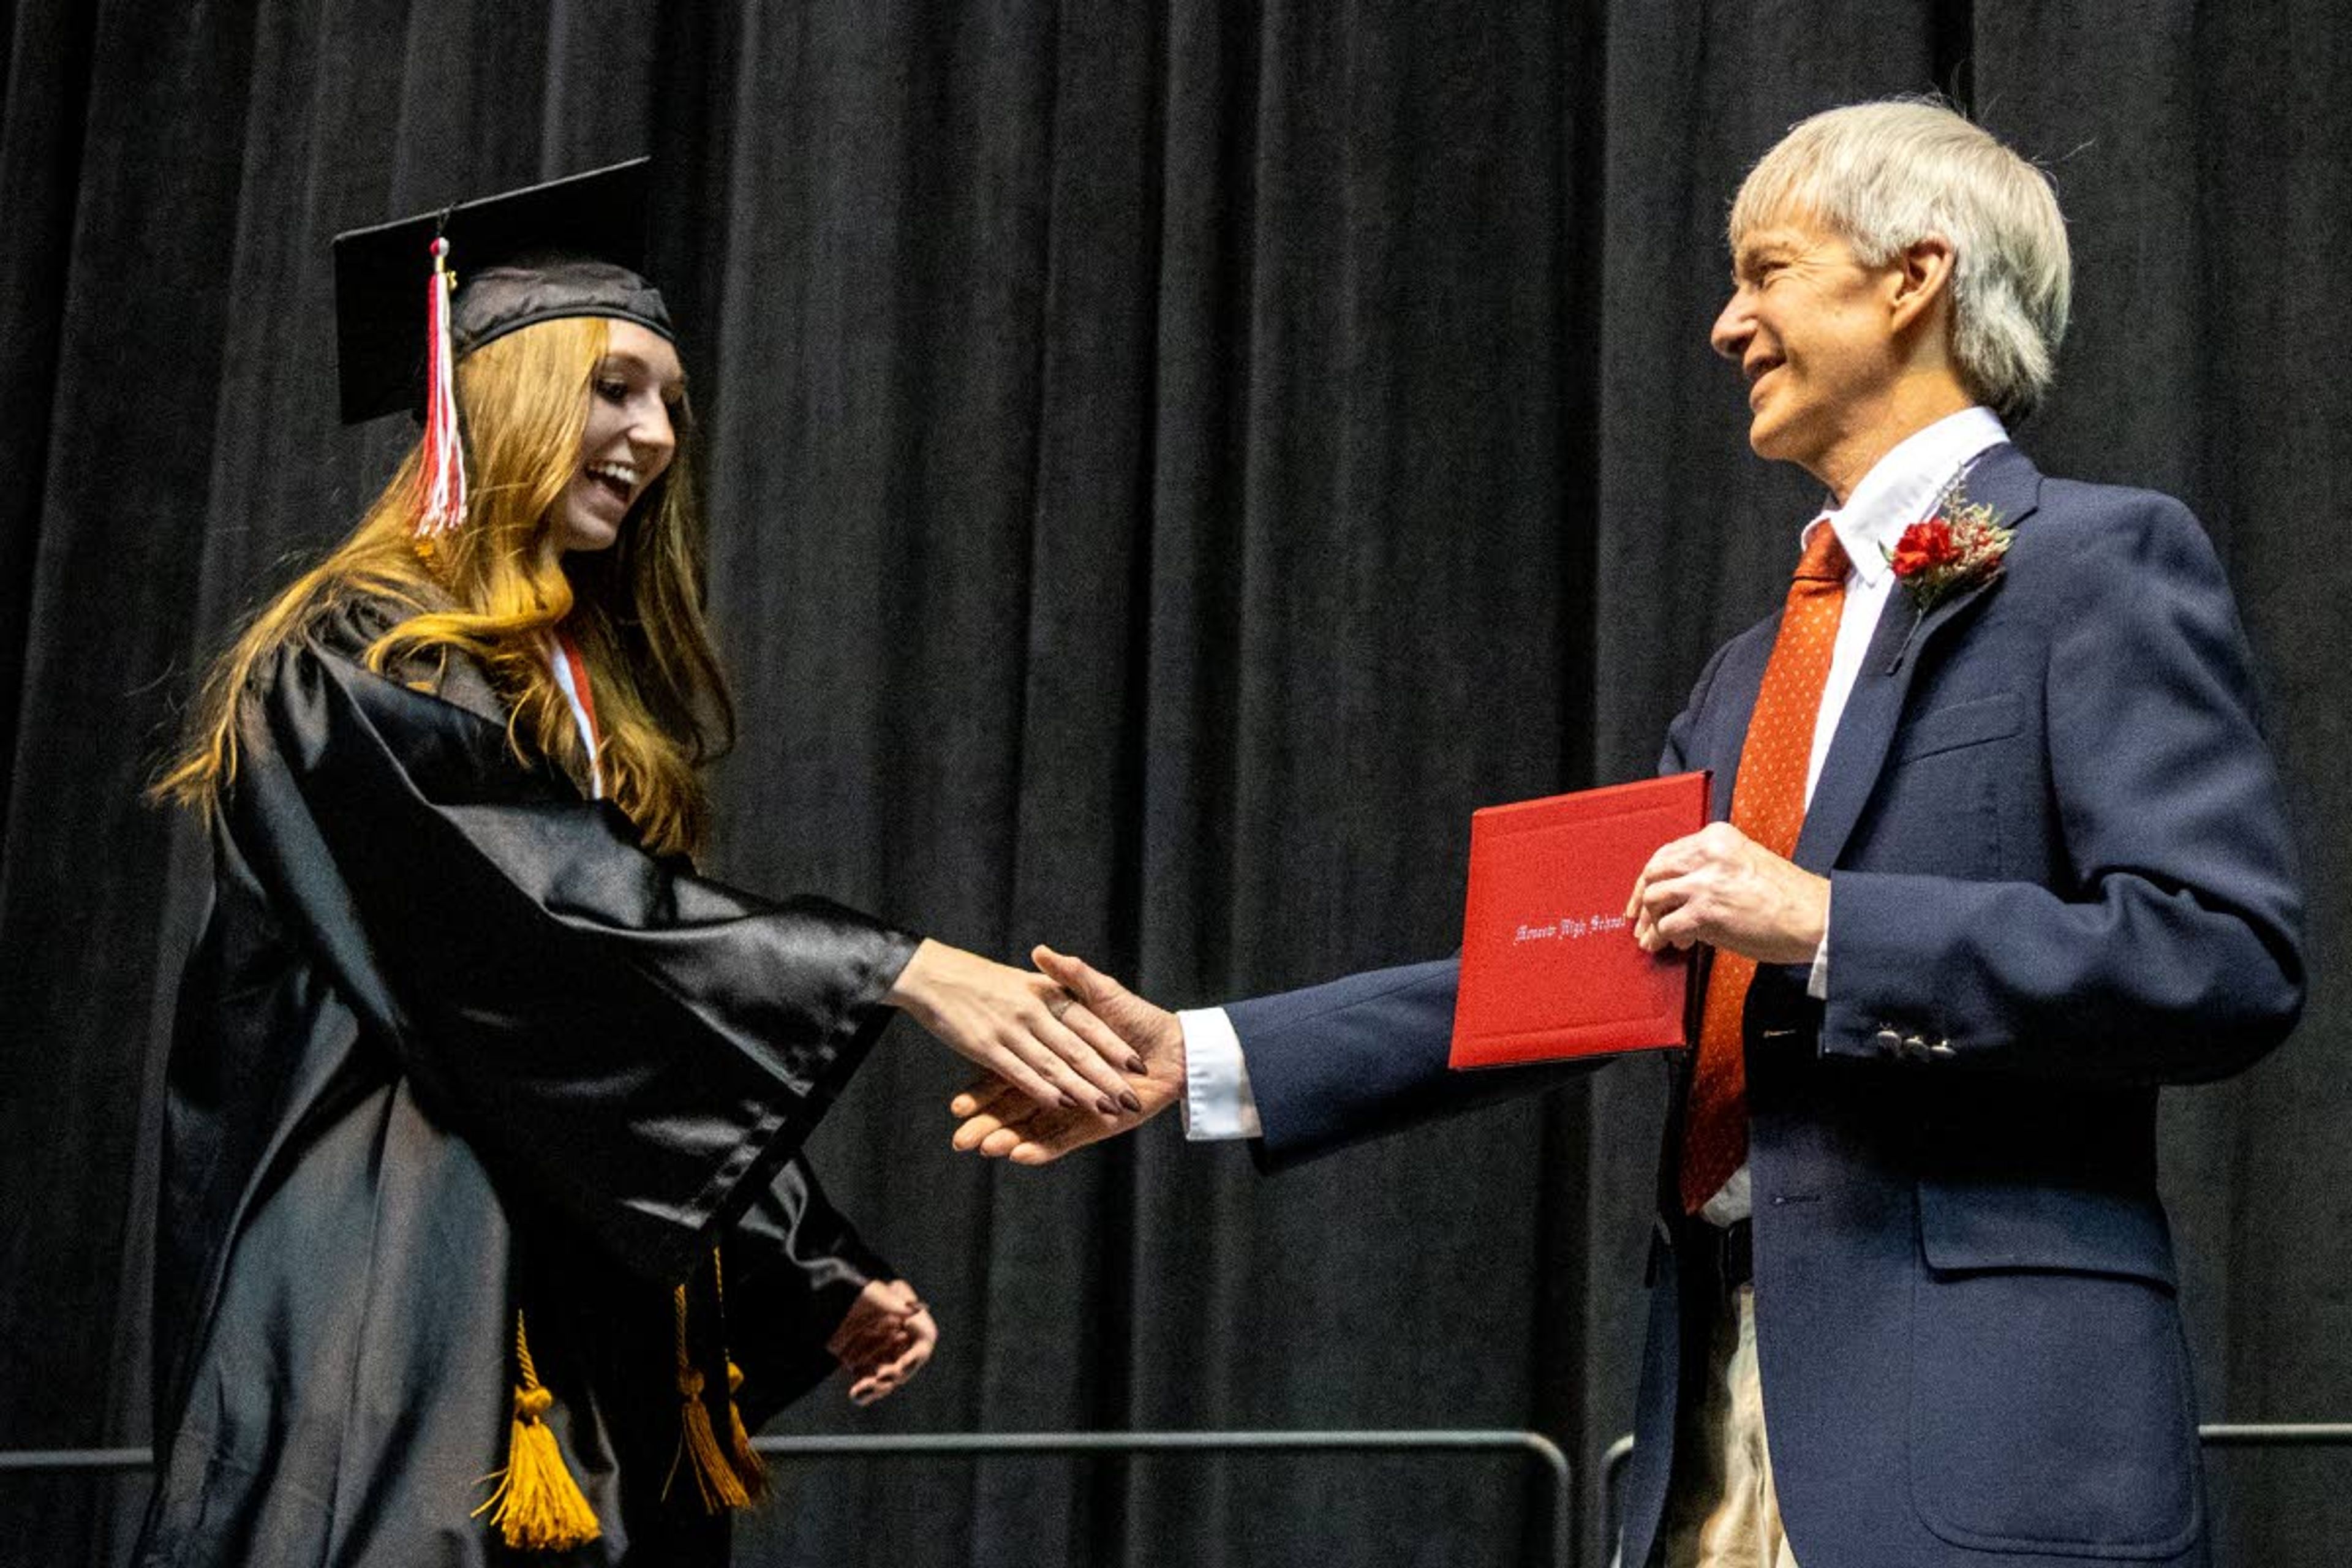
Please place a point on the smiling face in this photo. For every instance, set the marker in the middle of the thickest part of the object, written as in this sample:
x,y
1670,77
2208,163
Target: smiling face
x,y
1818,336
634,399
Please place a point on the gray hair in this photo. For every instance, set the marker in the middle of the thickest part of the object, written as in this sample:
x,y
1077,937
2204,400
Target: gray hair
x,y
1886,176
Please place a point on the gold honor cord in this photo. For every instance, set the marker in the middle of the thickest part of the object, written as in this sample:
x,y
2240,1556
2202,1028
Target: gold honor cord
x,y
539,1507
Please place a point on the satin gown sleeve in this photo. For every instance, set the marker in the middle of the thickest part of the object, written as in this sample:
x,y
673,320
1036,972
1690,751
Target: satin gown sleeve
x,y
639,1046
795,1267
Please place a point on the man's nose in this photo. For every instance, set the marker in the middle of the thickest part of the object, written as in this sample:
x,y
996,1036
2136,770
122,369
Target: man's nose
x,y
1733,327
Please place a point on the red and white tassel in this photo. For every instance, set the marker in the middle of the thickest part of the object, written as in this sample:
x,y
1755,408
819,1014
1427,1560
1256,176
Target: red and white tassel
x,y
443,478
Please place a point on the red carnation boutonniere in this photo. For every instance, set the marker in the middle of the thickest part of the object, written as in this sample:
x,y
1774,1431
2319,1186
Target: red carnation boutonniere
x,y
1959,548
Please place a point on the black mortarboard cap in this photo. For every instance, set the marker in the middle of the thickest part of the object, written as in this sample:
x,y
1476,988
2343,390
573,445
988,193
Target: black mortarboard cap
x,y
573,246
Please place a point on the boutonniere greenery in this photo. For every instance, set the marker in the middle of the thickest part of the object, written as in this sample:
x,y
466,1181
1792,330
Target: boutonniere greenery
x,y
1958,547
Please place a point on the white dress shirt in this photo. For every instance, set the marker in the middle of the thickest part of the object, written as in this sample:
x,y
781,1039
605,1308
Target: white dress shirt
x,y
1901,488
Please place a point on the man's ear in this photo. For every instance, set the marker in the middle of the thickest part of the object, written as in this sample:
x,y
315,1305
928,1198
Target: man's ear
x,y
1923,275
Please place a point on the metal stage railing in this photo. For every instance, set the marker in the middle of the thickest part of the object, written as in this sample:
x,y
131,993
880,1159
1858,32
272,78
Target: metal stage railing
x,y
986,1445
2213,1435
995,1445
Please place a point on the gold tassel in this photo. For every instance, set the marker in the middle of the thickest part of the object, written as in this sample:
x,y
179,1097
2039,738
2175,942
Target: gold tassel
x,y
750,1469
539,1507
698,1444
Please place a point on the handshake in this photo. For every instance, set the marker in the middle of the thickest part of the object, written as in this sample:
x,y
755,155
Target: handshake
x,y
1073,1056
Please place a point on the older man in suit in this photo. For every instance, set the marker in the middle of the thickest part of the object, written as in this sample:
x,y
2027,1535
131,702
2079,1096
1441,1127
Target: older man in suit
x,y
1999,851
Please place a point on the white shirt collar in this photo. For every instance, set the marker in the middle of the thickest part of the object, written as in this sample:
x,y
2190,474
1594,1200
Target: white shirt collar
x,y
1903,485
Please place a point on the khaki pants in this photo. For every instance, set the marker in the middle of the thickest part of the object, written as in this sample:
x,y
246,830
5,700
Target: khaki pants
x,y
1720,1510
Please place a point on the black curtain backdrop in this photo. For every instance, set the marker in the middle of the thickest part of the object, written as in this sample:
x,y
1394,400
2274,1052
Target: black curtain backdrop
x,y
1170,462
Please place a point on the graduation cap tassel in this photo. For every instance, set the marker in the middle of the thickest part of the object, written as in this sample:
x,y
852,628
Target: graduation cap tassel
x,y
749,1468
539,1507
443,478
698,1444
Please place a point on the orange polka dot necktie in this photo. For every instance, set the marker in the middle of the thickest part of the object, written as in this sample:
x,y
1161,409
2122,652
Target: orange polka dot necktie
x,y
1767,804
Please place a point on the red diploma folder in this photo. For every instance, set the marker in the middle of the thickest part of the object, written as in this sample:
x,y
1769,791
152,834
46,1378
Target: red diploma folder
x,y
1549,969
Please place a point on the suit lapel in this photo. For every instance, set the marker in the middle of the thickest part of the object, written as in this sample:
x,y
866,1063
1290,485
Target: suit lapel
x,y
2007,480
1743,685
1858,747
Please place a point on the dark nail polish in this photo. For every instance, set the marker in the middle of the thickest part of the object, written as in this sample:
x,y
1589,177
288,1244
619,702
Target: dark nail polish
x,y
1135,1065
1127,1098
1108,1105
1068,1103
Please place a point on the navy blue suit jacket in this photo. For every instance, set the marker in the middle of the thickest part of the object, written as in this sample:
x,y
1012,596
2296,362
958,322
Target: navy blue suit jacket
x,y
2059,877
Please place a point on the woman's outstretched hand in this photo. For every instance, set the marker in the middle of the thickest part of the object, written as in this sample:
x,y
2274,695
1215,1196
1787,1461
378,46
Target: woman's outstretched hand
x,y
997,1122
1020,1026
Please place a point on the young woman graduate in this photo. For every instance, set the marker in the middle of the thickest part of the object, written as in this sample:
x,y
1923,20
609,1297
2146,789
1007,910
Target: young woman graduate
x,y
482,1230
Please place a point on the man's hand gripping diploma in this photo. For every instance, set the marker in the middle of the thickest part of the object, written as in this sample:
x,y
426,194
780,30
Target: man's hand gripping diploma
x,y
1721,886
1000,1121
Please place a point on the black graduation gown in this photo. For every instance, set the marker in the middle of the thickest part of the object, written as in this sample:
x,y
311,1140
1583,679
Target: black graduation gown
x,y
451,1044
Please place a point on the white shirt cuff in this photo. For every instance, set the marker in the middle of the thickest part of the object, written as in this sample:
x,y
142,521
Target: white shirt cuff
x,y
1217,1101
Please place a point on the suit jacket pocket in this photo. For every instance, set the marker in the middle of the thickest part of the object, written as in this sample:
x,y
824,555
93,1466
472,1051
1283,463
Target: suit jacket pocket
x,y
1935,808
2052,1409
1957,725
1981,1224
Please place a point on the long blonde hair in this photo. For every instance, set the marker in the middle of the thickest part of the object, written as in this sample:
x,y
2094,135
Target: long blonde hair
x,y
493,588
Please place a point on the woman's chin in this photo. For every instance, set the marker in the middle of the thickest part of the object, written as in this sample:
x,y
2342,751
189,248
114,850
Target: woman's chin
x,y
585,531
